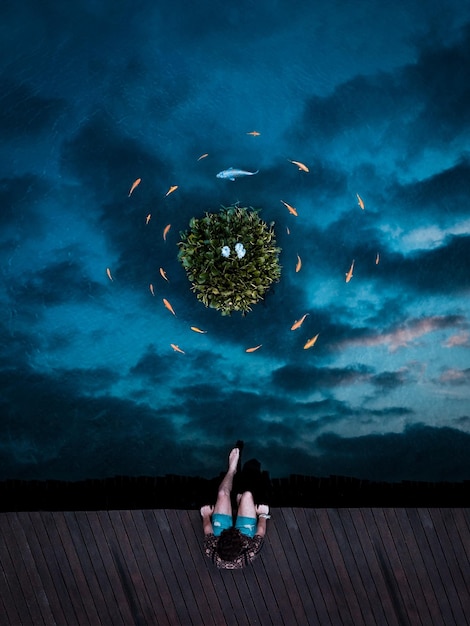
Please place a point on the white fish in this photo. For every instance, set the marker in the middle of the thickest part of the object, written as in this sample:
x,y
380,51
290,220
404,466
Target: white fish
x,y
233,173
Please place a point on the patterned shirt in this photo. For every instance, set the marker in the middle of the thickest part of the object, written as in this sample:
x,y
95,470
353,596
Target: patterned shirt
x,y
251,547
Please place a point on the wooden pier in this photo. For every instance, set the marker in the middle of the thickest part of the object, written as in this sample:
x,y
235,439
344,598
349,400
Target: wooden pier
x,y
325,566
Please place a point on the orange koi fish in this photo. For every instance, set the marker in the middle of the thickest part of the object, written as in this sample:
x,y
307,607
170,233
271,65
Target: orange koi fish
x,y
171,190
298,323
311,342
299,264
254,133
290,208
377,258
254,349
168,306
203,156
163,274
134,185
108,272
360,201
177,348
152,290
349,274
147,219
198,330
165,231
300,165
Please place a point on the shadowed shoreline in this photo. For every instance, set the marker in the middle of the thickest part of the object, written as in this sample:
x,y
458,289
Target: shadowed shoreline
x,y
183,492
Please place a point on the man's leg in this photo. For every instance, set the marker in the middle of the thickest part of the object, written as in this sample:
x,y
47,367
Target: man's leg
x,y
246,517
223,504
246,505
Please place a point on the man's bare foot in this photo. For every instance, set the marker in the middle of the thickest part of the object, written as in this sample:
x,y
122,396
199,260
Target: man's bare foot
x,y
233,460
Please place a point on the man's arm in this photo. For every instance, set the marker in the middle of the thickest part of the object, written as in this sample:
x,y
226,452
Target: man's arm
x,y
262,511
206,512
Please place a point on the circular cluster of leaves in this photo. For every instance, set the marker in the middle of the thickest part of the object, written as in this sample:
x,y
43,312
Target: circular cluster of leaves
x,y
233,282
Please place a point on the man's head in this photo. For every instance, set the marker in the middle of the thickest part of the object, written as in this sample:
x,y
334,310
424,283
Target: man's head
x,y
230,544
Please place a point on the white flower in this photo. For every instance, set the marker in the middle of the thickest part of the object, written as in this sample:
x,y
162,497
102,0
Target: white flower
x,y
226,251
240,250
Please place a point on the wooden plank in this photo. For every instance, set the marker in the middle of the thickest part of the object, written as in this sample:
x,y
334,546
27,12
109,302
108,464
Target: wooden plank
x,y
282,607
78,577
191,526
390,565
12,594
461,545
408,585
261,592
441,560
356,576
43,568
356,546
26,577
408,564
302,544
184,567
328,554
140,552
460,572
245,609
227,592
4,590
315,552
67,568
60,578
131,578
392,568
440,597
284,586
98,585
466,515
369,537
155,520
32,574
297,562
5,594
274,562
338,559
156,569
103,545
463,530
193,589
443,531
432,611
109,613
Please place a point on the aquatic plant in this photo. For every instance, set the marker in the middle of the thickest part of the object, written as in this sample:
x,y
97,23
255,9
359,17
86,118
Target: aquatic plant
x,y
230,257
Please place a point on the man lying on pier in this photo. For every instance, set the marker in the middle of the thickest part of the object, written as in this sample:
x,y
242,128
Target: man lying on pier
x,y
233,546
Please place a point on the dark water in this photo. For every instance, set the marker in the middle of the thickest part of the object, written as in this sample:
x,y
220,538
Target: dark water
x,y
374,98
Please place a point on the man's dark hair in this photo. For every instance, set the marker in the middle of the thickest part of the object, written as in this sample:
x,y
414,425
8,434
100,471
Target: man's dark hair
x,y
230,544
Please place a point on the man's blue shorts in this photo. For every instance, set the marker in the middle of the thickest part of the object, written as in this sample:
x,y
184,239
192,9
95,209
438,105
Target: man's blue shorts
x,y
246,525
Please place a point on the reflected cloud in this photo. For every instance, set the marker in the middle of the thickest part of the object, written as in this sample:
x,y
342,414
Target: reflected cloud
x,y
402,336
